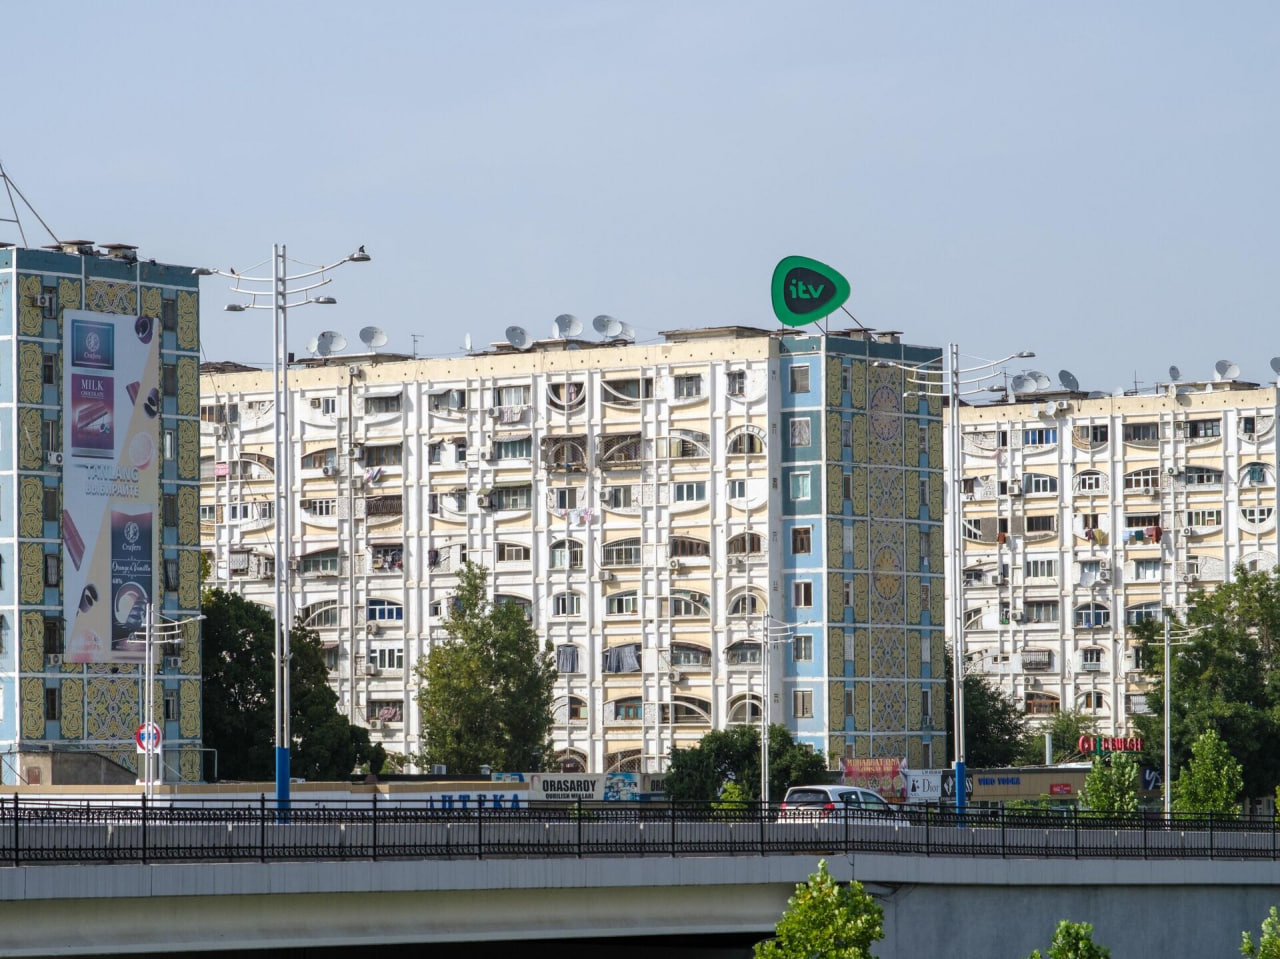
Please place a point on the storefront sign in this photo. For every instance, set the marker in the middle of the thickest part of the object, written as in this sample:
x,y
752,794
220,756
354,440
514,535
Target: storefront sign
x,y
1106,744
585,787
885,776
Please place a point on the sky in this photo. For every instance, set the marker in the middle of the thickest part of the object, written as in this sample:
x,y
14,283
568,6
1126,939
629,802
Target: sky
x,y
1092,181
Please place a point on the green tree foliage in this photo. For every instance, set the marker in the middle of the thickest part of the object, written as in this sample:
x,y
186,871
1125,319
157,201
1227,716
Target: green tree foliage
x,y
995,731
1221,678
733,803
1066,728
1073,940
485,696
1112,787
1268,946
1211,782
734,754
239,697
825,919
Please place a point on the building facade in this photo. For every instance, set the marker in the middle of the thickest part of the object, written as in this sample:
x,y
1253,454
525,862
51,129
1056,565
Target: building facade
x,y
655,509
1084,514
99,471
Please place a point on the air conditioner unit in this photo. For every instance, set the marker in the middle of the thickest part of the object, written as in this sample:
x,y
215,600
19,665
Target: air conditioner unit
x,y
355,371
55,459
1019,617
357,451
673,564
173,662
47,302
1015,489
486,452
606,576
1063,406
483,500
375,724
676,675
315,403
495,411
1188,531
304,504
370,669
439,769
1171,471
1104,576
371,628
997,580
1189,577
1104,564
55,659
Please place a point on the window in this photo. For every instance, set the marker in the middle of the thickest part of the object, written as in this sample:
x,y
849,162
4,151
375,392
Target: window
x,y
1256,515
1040,436
50,504
1141,432
846,434
623,552
801,540
385,710
1096,433
511,497
846,484
384,611
513,449
567,658
328,405
1092,616
1089,481
802,594
1255,474
321,507
802,648
171,574
1148,479
447,400
688,386
627,392
511,396
566,554
169,444
736,489
926,704
1204,517
1041,569
690,492
1042,524
622,659
1146,570
736,382
801,432
1041,611
688,603
387,657
320,615
746,604
1092,701
170,705
387,455
49,369
799,379
1141,613
52,703
321,563
1203,429
631,708
52,569
800,486
683,655
566,604
743,654
1141,520
564,497
1202,476
435,452
53,634
746,444
169,314
682,546
618,497
687,444
1090,571
623,604
460,450
973,529
382,404
169,379
1248,427
1039,483
802,703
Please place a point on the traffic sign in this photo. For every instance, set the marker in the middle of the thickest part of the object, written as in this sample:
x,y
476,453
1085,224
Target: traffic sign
x,y
147,737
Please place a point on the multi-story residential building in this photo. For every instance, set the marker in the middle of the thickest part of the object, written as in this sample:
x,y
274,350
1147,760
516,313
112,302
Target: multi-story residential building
x,y
1084,514
99,477
647,505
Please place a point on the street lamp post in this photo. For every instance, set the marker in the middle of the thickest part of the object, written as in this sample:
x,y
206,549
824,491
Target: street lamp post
x,y
154,634
948,382
1168,682
279,304
772,633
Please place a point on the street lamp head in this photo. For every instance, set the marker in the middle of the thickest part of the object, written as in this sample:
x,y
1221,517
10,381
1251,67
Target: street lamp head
x,y
359,256
202,271
234,308
325,300
1025,354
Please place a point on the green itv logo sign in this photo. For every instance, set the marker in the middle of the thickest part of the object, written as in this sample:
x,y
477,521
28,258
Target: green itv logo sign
x,y
804,290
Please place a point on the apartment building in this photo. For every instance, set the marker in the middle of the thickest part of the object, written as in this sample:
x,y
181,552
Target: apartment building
x,y
99,480
1085,513
656,509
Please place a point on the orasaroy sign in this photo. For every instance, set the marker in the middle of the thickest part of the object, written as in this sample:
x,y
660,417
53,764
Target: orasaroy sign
x,y
1109,744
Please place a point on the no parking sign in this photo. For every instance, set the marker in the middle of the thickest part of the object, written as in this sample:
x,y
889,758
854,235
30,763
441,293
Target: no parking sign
x,y
147,737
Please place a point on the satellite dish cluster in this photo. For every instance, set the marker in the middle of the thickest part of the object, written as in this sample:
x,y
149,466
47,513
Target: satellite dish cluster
x,y
330,342
566,326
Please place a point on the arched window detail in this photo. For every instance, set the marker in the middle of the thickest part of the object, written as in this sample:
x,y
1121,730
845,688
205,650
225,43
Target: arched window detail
x,y
745,544
320,615
746,603
745,710
566,554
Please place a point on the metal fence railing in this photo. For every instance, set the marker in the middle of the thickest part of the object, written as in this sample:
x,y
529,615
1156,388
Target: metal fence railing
x,y
87,832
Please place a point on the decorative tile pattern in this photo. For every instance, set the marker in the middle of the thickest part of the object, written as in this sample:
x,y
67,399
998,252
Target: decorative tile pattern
x,y
835,489
191,647
837,747
911,497
860,427
188,386
152,301
835,596
888,653
72,709
913,705
835,651
860,491
68,297
128,758
888,747
109,296
861,653
188,329
858,384
833,380
935,496
911,440
189,579
32,708
861,550
30,316
913,656
915,753
113,708
913,599
862,705
861,606
835,543
30,451
833,435
188,450
30,372
189,717
189,765
31,507
31,642
31,573
188,516
835,705
885,492
911,559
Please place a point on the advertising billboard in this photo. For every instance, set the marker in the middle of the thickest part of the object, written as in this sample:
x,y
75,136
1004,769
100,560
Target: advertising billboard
x,y
110,481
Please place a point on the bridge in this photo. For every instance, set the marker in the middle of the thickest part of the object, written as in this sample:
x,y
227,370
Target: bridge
x,y
94,880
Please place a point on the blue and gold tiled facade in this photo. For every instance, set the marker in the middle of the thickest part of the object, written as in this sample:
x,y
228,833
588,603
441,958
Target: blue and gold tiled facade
x,y
862,539
46,702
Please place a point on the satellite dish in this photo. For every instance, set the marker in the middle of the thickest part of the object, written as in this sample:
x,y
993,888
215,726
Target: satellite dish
x,y
1041,380
568,325
1275,364
626,332
335,342
608,326
1225,370
373,337
1097,395
518,337
1118,391
1233,372
1022,384
1068,380
322,344
313,346
1182,394
573,346
1175,374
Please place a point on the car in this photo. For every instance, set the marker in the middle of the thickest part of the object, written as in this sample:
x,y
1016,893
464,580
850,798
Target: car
x,y
834,803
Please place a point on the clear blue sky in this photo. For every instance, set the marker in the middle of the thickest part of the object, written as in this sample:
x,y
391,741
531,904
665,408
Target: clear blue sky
x,y
1095,181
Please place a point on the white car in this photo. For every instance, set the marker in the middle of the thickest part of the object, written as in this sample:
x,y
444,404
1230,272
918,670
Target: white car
x,y
834,803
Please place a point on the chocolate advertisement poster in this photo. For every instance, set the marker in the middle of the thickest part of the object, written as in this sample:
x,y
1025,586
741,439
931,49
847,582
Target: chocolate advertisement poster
x,y
111,483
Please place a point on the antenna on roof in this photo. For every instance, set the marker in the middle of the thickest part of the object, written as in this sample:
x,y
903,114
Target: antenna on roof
x,y
567,324
626,332
1068,381
1022,384
1041,380
1175,374
10,188
1225,370
313,345
330,342
606,326
466,343
518,337
373,337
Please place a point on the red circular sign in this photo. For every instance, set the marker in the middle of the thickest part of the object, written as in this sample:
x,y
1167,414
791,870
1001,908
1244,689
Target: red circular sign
x,y
147,737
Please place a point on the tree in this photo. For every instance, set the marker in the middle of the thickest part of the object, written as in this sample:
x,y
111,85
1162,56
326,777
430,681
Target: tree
x,y
1073,940
238,655
1065,728
1268,946
995,731
733,754
1112,788
1221,678
1211,782
825,919
485,695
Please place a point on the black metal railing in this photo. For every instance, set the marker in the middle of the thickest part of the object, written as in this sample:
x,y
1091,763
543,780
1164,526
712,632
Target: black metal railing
x,y
195,831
